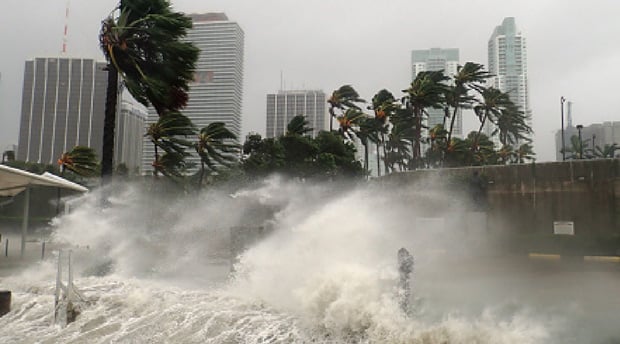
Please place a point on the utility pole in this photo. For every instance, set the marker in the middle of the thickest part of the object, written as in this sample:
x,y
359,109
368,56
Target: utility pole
x,y
562,100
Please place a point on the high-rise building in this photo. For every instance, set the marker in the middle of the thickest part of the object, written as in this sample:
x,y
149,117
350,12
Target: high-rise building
x,y
284,105
436,59
129,134
63,104
508,63
217,91
62,107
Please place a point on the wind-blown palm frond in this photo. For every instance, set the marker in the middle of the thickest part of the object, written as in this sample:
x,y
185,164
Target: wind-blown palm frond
x,y
298,126
216,146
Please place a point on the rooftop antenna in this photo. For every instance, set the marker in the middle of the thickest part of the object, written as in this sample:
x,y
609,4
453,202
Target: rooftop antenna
x,y
64,36
281,80
569,114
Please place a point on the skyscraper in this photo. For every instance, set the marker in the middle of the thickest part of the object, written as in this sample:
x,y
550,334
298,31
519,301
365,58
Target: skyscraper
x,y
217,91
284,105
508,63
436,59
129,133
62,107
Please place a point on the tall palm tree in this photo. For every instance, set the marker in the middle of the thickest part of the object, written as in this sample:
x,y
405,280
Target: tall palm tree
x,y
511,125
349,122
343,98
142,41
468,77
427,90
384,105
165,134
216,147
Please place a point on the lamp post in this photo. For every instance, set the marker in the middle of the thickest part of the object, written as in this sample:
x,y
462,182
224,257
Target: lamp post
x,y
579,127
562,100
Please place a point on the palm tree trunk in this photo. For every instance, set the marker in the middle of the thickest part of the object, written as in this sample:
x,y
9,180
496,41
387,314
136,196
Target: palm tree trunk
x,y
378,160
452,124
202,173
109,124
366,158
155,173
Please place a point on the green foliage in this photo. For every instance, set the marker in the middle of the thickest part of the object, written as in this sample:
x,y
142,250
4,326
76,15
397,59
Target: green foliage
x,y
143,39
327,156
80,160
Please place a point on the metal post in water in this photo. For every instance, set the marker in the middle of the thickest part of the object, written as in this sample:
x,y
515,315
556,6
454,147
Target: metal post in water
x,y
25,220
6,248
43,250
58,286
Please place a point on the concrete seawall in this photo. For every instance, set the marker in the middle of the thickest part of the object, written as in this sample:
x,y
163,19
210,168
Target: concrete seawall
x,y
523,201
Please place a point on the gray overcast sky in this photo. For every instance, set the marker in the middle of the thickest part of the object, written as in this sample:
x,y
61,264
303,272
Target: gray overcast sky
x,y
573,48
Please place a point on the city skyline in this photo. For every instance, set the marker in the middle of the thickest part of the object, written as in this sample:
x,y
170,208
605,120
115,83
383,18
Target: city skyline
x,y
564,54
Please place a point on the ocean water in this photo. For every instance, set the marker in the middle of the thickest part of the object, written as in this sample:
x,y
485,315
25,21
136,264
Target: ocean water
x,y
156,271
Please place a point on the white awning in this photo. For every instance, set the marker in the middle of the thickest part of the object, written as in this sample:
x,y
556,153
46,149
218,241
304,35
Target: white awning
x,y
14,181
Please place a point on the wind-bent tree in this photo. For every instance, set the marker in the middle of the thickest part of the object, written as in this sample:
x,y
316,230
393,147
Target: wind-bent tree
x,y
298,126
343,98
384,105
80,160
142,41
216,147
468,77
427,90
164,134
511,126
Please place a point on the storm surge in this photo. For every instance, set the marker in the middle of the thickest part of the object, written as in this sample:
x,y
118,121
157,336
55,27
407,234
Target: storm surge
x,y
320,267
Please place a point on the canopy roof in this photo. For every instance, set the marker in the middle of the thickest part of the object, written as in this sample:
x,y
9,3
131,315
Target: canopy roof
x,y
14,181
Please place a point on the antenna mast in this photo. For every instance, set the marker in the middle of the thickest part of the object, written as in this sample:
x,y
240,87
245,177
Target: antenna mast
x,y
64,36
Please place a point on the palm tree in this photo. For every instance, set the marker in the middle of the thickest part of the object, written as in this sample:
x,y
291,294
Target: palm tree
x,y
384,105
524,152
468,77
344,97
165,134
349,122
608,151
80,160
142,42
427,90
489,109
511,125
298,126
216,147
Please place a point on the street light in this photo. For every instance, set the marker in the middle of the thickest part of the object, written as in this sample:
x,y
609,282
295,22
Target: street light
x,y
579,127
562,100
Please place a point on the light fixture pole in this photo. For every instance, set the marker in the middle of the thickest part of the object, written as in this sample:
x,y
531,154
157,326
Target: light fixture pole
x,y
579,127
562,100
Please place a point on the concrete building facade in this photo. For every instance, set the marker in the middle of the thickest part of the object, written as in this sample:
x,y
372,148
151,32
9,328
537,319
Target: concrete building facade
x,y
62,107
284,105
507,62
